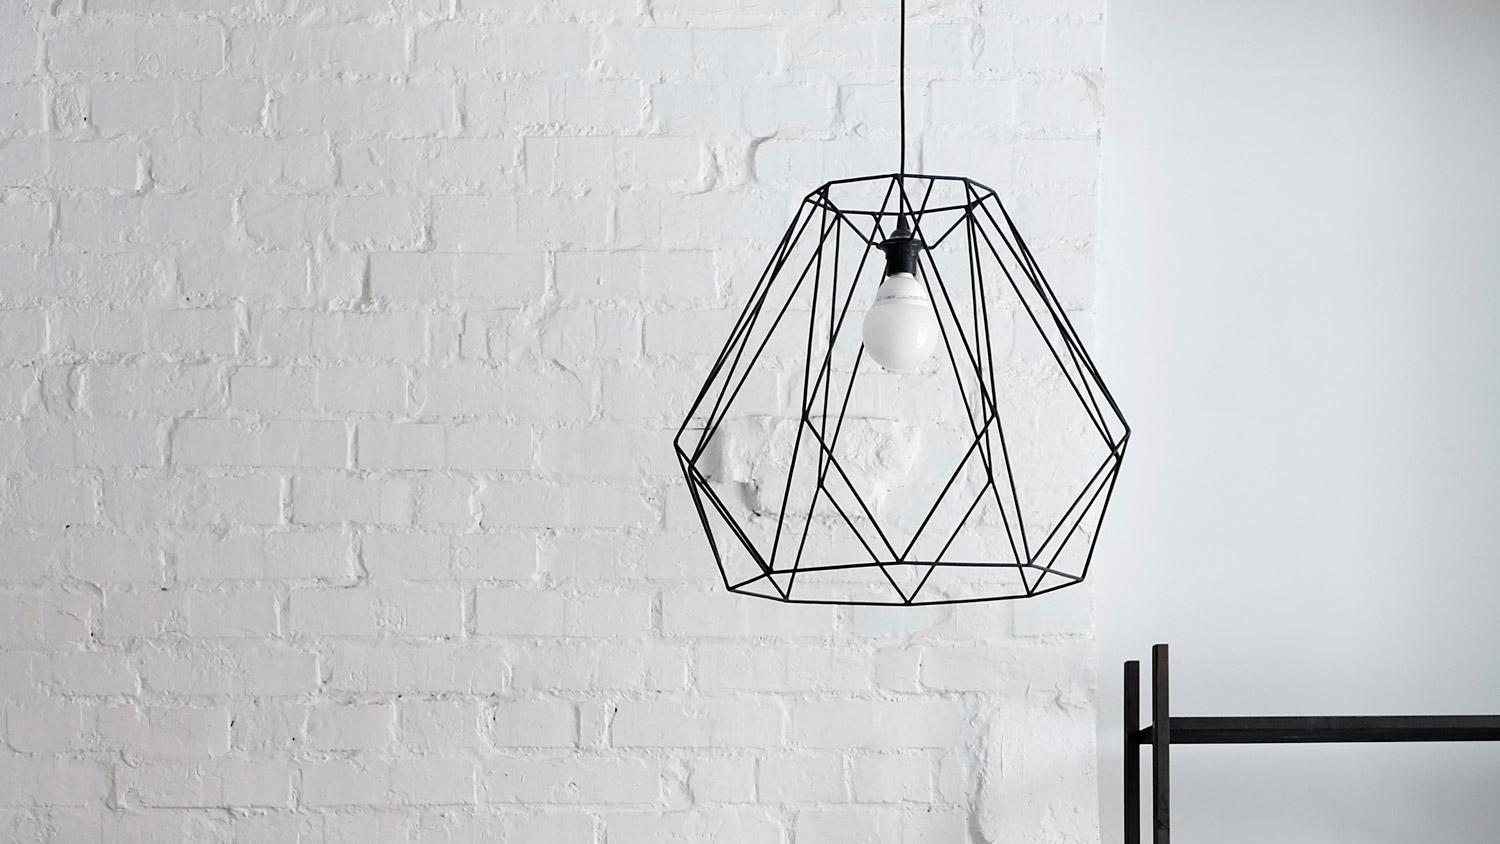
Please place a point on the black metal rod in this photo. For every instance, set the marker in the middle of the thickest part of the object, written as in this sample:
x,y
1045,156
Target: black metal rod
x,y
1132,752
1325,729
1161,750
1334,728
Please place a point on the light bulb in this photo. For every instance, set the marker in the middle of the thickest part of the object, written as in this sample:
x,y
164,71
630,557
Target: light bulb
x,y
901,329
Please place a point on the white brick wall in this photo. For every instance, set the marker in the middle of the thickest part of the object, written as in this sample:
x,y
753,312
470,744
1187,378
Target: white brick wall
x,y
339,353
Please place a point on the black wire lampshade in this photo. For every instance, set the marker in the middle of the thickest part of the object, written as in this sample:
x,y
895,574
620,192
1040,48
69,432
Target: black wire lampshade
x,y
983,476
921,426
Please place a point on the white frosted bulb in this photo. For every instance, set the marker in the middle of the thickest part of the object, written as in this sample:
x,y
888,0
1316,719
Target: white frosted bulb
x,y
901,329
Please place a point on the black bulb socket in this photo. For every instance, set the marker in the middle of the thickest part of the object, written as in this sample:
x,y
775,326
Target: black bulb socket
x,y
901,249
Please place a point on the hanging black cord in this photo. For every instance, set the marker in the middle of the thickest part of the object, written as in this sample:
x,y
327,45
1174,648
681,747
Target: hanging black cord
x,y
902,87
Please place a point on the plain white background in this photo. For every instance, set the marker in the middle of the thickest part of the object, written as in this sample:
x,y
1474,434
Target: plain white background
x,y
1300,312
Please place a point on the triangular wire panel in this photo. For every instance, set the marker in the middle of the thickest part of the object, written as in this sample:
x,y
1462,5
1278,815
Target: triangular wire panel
x,y
963,503
1064,559
739,558
834,553
782,309
1115,422
709,401
1052,415
801,481
991,312
1069,550
935,228
898,469
863,584
1086,535
783,581
963,350
807,526
702,506
959,353
840,492
1097,525
861,199
757,444
862,229
1050,580
1002,508
907,578
824,535
851,276
1041,319
808,465
830,543
978,543
761,587
1072,511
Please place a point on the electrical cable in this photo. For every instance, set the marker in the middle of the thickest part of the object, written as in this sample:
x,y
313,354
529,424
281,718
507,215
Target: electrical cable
x,y
902,88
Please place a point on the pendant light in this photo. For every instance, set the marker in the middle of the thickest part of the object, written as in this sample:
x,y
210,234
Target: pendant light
x,y
903,413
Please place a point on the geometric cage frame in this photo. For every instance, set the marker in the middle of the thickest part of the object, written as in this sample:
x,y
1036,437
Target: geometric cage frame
x,y
1028,444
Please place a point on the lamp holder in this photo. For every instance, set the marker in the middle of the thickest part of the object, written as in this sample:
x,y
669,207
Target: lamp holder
x,y
901,249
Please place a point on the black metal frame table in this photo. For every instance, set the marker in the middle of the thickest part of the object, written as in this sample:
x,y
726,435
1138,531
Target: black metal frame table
x,y
1166,730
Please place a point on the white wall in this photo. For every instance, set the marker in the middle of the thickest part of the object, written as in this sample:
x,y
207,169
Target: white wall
x,y
341,344
1300,307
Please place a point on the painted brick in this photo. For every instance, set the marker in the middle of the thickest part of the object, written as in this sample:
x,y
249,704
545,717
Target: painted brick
x,y
890,778
518,612
366,109
803,778
429,165
199,670
751,826
439,723
447,558
530,504
534,724
354,49
364,727
347,335
474,446
148,49
192,500
257,556
53,782
225,784
576,779
340,354
695,614
323,499
49,728
152,613
722,779
308,390
215,442
512,279
610,614
64,500
927,723
706,723
177,734
424,669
